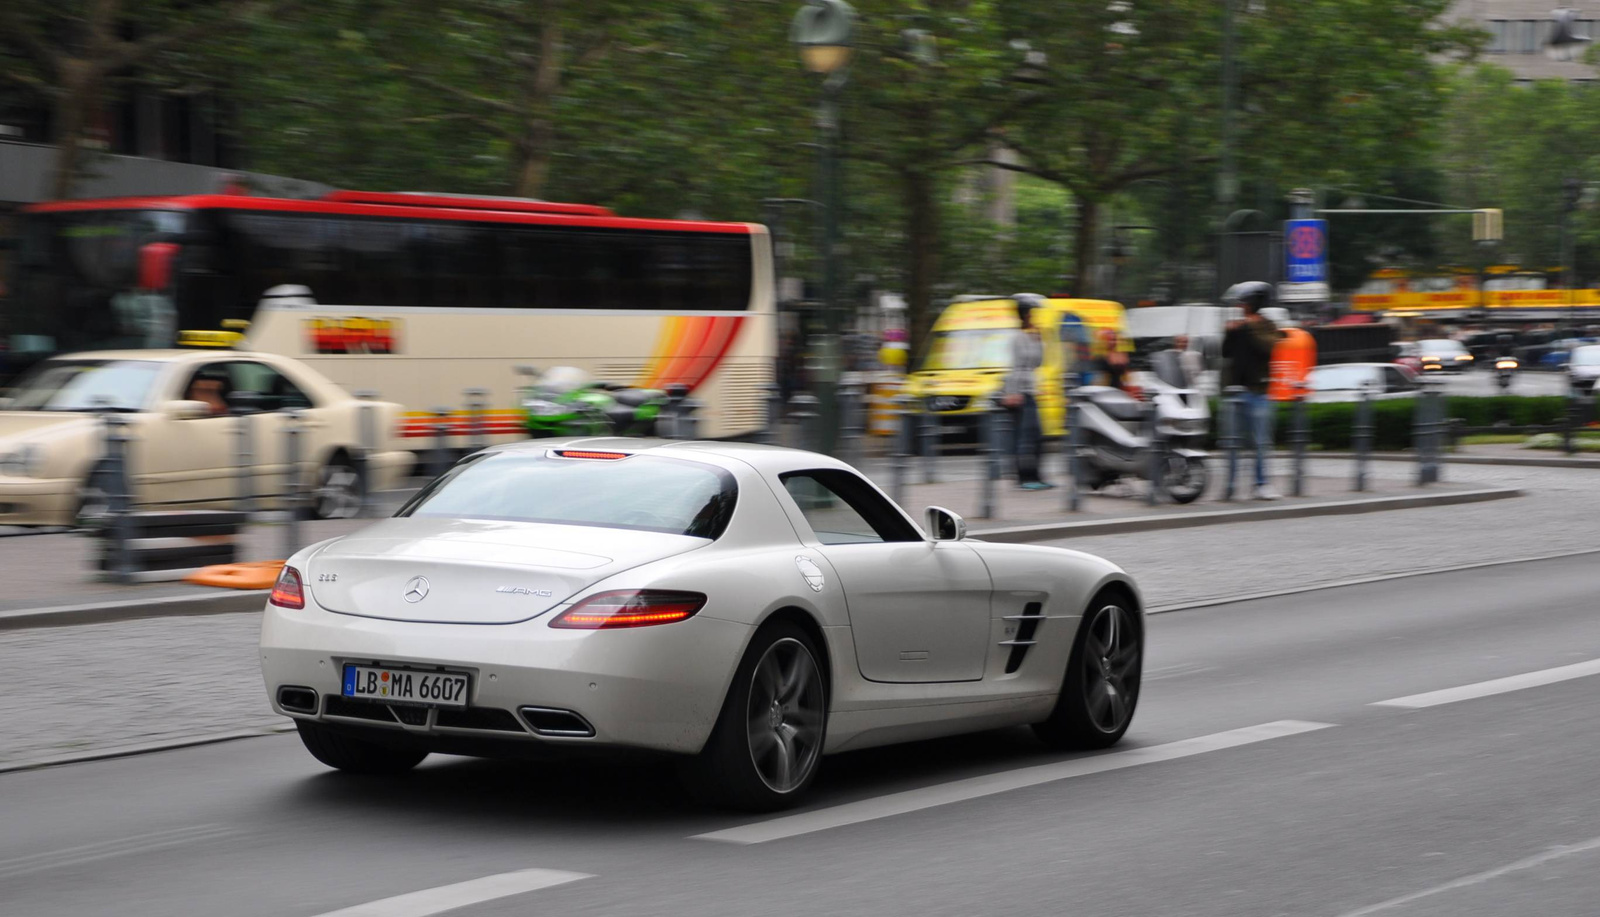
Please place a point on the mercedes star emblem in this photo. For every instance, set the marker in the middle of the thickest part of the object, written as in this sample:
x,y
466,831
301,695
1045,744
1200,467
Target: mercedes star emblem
x,y
416,589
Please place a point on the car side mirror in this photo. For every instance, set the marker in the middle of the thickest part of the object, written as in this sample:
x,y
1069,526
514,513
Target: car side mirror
x,y
185,410
943,524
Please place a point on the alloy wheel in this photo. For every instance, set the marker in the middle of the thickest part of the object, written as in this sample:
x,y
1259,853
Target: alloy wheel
x,y
785,715
1111,663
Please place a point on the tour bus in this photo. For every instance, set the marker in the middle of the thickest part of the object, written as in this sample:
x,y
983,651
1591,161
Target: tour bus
x,y
418,297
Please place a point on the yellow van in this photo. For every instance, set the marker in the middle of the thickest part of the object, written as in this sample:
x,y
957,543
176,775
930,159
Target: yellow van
x,y
966,359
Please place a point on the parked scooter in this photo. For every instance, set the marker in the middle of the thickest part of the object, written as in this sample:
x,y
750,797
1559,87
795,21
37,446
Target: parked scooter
x,y
1504,369
1116,435
565,401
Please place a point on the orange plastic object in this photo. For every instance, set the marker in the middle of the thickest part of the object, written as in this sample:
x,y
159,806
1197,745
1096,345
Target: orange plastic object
x,y
1292,359
259,574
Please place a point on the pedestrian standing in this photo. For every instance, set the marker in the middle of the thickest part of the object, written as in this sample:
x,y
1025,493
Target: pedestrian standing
x,y
1019,394
1113,365
1190,360
1247,362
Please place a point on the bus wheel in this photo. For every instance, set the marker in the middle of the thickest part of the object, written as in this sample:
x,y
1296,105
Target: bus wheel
x,y
339,489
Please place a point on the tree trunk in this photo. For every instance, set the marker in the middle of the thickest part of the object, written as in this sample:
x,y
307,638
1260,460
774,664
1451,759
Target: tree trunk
x,y
1084,244
80,90
544,83
922,241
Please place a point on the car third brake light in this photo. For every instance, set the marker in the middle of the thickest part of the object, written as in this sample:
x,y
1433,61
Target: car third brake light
x,y
630,608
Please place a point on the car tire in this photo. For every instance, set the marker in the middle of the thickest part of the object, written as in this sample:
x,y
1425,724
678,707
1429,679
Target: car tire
x,y
1101,688
353,755
340,489
761,760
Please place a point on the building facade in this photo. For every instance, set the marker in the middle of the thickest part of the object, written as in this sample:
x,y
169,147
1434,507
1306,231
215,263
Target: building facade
x,y
1518,32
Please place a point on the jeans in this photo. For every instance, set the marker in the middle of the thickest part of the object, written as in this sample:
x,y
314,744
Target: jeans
x,y
1258,412
1027,439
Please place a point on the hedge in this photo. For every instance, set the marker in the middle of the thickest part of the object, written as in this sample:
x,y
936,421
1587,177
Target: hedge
x,y
1333,423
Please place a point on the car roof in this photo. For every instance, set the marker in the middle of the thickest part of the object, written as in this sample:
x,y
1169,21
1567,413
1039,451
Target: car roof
x,y
732,456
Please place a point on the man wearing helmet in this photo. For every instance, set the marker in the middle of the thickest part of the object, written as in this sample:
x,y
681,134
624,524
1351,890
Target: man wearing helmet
x,y
1247,361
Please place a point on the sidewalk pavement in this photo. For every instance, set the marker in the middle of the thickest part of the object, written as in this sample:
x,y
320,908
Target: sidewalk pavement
x,y
50,577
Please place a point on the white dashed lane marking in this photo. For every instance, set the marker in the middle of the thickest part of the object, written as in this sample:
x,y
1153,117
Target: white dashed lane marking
x,y
1495,686
462,894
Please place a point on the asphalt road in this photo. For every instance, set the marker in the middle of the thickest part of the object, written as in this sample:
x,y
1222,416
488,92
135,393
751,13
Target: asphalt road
x,y
1262,777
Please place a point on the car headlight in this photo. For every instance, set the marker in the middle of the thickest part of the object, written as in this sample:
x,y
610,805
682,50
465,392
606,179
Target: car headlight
x,y
22,461
1463,356
1505,364
540,408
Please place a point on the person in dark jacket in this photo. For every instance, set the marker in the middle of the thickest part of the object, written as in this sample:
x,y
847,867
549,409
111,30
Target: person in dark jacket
x,y
1247,360
1020,394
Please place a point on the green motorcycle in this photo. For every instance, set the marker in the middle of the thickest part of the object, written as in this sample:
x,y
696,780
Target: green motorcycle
x,y
565,401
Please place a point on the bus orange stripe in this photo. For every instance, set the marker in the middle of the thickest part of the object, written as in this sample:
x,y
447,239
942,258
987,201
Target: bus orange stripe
x,y
718,342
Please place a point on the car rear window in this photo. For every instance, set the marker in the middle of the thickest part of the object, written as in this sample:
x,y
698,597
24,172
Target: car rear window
x,y
643,492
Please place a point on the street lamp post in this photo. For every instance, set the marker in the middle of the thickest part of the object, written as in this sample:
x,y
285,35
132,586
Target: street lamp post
x,y
822,31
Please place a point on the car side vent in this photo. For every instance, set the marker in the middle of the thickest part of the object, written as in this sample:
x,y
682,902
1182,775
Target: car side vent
x,y
1027,626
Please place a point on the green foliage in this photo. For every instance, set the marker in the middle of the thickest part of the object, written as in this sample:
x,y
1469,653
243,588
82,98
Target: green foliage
x,y
1332,424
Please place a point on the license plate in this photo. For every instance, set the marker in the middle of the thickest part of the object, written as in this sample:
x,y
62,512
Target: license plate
x,y
405,686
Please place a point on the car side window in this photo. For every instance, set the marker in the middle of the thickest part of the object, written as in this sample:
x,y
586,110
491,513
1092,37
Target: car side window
x,y
212,385
276,391
841,508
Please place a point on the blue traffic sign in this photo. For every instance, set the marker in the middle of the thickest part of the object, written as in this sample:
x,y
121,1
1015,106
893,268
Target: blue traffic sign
x,y
1305,248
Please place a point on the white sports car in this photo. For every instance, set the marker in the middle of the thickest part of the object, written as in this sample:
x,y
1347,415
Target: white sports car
x,y
746,608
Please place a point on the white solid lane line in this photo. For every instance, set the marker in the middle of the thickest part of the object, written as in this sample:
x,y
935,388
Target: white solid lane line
x,y
1554,853
974,787
449,897
1495,686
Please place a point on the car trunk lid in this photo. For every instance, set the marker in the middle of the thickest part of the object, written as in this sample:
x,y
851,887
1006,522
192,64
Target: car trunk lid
x,y
474,571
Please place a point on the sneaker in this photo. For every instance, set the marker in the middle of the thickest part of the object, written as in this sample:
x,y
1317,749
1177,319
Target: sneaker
x,y
1035,485
1265,493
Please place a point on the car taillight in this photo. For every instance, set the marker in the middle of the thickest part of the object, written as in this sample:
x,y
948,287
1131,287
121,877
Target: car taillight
x,y
287,591
630,608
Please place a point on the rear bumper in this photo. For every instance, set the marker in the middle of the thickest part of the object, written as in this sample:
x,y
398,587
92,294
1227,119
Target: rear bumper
x,y
653,688
388,470
36,501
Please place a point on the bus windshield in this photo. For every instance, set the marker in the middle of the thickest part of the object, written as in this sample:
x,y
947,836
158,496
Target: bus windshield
x,y
77,285
974,348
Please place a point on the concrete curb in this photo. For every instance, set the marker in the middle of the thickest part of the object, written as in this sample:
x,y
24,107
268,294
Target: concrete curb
x,y
143,748
229,602
1530,461
1052,530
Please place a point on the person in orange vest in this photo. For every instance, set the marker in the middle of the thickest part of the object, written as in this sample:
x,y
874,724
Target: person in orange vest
x,y
1247,361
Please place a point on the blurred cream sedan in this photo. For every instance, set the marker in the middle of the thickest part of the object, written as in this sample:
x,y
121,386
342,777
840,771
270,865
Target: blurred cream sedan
x,y
183,444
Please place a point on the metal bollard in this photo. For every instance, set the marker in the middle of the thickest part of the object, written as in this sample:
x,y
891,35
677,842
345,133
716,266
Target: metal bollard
x,y
477,403
1153,448
1570,418
990,437
243,405
1232,408
1072,450
687,424
849,430
672,413
119,498
903,432
367,438
929,428
292,483
805,415
1363,438
1300,436
774,402
1426,420
441,441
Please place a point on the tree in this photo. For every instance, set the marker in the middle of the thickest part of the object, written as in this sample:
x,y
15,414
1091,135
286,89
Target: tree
x,y
72,51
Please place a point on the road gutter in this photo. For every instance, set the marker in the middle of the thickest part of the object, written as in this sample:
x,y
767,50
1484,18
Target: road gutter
x,y
229,601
